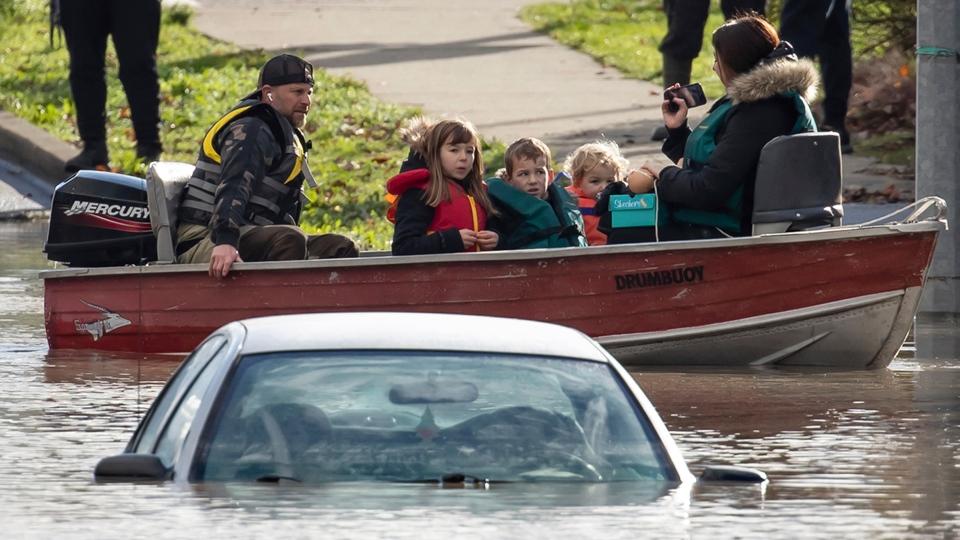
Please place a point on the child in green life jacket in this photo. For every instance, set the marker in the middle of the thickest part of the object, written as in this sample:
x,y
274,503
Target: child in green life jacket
x,y
533,212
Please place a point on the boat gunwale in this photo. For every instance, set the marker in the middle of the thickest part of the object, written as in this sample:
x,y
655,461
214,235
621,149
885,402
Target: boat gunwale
x,y
834,233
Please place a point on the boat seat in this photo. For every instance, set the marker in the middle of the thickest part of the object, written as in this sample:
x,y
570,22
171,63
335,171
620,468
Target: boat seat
x,y
798,184
165,183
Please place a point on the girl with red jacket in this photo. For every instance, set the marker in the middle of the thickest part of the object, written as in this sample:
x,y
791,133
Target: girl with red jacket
x,y
439,203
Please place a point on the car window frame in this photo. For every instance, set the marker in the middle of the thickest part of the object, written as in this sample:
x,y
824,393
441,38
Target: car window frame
x,y
180,389
206,374
667,450
649,426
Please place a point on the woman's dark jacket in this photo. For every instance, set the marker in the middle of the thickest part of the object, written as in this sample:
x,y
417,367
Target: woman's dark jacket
x,y
761,112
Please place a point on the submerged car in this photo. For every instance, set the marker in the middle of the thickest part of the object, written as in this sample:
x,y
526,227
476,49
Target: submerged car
x,y
402,397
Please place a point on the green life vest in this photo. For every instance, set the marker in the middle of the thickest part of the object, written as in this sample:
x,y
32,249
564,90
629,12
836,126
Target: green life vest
x,y
700,146
544,223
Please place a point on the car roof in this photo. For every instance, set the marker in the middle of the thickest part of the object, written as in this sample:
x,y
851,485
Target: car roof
x,y
416,331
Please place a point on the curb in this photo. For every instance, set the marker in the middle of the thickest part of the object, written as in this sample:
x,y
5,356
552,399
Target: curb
x,y
34,149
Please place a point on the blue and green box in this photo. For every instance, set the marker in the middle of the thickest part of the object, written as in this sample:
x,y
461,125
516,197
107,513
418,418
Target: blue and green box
x,y
635,211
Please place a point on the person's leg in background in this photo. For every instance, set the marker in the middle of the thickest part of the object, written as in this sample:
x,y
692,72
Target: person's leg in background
x,y
821,28
732,8
685,22
802,23
85,28
836,64
135,27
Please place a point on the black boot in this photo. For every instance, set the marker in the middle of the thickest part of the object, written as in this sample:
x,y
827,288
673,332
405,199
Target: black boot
x,y
149,152
841,129
659,133
94,156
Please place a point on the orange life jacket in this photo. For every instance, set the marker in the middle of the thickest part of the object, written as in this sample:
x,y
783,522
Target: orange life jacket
x,y
590,218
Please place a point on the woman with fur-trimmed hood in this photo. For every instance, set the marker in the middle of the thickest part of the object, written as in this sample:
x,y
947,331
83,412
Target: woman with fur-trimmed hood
x,y
768,90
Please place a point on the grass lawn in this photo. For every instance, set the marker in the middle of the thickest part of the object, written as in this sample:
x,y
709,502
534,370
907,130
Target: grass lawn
x,y
356,147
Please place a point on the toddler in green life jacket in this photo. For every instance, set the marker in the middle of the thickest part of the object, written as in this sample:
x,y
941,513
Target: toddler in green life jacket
x,y
533,212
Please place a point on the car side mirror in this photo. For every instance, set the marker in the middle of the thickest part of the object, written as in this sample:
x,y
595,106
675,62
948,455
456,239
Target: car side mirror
x,y
130,468
732,473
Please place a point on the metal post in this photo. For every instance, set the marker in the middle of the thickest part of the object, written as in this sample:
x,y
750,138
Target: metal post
x,y
938,144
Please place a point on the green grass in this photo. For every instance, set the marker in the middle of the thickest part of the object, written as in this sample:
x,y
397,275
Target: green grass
x,y
892,148
623,34
356,146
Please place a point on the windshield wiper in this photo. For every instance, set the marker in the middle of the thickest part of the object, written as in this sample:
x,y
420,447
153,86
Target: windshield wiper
x,y
457,479
277,478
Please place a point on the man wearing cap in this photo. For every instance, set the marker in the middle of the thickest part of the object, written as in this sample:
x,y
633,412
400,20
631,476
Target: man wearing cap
x,y
244,200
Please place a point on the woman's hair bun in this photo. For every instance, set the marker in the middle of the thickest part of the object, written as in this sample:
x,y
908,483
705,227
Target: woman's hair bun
x,y
783,50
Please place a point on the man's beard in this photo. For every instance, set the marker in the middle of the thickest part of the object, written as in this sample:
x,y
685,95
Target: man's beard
x,y
298,119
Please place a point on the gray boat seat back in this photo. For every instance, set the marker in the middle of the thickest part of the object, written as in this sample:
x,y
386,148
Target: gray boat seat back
x,y
165,183
798,184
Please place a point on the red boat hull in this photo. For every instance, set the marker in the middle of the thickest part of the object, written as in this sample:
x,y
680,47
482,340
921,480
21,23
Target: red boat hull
x,y
602,291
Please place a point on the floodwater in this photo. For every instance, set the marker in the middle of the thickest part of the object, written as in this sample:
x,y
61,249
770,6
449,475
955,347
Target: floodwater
x,y
866,454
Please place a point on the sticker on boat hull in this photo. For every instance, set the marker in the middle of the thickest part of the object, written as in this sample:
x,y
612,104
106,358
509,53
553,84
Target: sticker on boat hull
x,y
103,326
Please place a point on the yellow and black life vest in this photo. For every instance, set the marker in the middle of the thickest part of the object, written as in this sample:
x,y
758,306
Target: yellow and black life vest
x,y
277,198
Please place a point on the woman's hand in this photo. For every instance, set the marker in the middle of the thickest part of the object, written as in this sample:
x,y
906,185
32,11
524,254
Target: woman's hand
x,y
487,240
469,238
674,119
640,181
656,165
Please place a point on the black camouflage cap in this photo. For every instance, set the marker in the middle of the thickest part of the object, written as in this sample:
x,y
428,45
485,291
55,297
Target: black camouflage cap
x,y
283,69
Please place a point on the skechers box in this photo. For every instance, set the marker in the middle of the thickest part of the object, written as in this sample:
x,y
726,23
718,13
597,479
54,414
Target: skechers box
x,y
634,218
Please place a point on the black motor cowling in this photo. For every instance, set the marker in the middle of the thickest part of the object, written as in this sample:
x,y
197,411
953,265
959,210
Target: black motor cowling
x,y
100,219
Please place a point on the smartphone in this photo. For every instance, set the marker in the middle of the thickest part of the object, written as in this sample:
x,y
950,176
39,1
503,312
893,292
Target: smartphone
x,y
691,93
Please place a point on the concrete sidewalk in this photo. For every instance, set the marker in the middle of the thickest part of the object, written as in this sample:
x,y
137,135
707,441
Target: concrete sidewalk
x,y
473,59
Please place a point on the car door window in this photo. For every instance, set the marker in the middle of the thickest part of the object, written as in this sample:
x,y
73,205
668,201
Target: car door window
x,y
171,440
174,391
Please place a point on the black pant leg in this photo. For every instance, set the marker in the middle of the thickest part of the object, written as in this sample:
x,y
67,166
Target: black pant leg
x,y
836,63
732,8
802,23
135,26
685,22
85,27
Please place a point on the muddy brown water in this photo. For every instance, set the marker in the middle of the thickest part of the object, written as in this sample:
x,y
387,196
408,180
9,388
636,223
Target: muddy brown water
x,y
865,454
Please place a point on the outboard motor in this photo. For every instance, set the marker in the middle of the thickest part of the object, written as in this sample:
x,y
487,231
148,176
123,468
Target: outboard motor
x,y
100,219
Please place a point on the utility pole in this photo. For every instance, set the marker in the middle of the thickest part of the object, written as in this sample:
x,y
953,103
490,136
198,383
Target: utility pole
x,y
938,146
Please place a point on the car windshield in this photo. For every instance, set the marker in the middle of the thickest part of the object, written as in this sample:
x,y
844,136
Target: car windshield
x,y
424,416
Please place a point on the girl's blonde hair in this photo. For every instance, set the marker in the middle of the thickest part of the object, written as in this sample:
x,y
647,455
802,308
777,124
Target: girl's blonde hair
x,y
427,138
590,155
